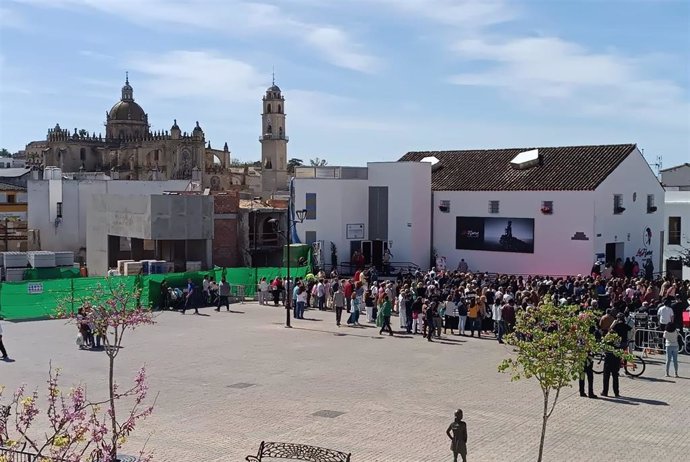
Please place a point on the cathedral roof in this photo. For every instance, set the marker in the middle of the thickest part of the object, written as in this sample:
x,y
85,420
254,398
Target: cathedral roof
x,y
127,110
274,87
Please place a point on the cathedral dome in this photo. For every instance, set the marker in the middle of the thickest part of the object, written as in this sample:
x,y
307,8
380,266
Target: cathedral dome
x,y
274,87
127,110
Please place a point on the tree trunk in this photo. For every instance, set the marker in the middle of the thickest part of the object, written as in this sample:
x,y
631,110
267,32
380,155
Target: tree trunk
x,y
545,417
113,419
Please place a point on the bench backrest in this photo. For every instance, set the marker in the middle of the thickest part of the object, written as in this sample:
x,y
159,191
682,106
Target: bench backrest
x,y
301,452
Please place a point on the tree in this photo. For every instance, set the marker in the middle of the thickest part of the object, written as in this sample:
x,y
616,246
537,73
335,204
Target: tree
x,y
552,345
113,310
83,133
77,429
241,163
5,153
293,163
316,162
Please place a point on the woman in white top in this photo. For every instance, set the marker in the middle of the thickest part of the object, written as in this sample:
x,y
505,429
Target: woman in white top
x,y
263,292
671,341
452,318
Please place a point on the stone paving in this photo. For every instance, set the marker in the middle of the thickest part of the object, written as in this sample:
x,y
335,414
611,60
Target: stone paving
x,y
227,381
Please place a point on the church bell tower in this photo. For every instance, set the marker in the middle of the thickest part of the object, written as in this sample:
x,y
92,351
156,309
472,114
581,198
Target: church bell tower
x,y
274,176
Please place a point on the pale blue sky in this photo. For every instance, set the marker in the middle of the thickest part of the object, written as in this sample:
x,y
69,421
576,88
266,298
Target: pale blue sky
x,y
363,79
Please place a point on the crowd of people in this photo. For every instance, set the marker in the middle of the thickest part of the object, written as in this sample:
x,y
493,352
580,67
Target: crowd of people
x,y
436,303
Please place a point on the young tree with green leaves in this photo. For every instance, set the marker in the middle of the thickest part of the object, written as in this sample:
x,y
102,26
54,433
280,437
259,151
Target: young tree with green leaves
x,y
552,344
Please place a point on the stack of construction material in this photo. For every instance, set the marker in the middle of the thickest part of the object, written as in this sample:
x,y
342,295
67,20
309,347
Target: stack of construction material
x,y
121,265
14,259
41,259
64,258
132,268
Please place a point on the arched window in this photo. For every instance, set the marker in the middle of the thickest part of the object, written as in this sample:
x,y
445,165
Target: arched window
x,y
82,154
280,109
268,108
280,131
269,129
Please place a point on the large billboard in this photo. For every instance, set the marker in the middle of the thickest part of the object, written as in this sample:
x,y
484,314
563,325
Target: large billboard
x,y
495,234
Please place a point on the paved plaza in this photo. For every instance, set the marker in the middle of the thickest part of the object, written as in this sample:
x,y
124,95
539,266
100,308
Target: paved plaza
x,y
227,381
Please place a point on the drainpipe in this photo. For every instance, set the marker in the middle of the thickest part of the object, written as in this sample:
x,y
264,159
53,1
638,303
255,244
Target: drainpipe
x,y
431,249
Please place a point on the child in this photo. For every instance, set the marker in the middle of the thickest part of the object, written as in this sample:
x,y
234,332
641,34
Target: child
x,y
457,432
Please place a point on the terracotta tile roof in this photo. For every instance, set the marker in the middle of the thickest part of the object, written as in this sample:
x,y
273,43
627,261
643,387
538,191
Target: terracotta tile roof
x,y
566,168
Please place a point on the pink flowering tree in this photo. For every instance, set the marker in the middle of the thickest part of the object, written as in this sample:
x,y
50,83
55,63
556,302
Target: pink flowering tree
x,y
78,425
78,430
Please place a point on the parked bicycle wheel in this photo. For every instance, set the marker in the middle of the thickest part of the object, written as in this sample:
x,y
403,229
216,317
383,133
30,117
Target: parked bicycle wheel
x,y
635,367
687,344
598,364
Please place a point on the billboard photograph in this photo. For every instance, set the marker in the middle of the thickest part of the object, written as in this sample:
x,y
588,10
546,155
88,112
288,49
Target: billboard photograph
x,y
495,234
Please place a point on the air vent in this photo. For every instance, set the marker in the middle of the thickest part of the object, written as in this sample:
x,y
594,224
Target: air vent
x,y
525,159
435,163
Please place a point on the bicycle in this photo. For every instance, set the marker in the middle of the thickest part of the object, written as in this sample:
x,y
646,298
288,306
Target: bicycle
x,y
633,368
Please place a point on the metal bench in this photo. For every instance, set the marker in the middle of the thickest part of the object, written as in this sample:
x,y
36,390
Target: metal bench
x,y
294,451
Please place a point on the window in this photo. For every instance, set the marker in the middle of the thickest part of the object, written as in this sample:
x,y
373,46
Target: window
x,y
651,208
268,109
59,210
618,204
493,207
11,199
310,237
547,207
280,109
311,206
82,154
674,230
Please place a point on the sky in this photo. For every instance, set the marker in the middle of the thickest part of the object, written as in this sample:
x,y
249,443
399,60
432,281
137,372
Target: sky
x,y
363,80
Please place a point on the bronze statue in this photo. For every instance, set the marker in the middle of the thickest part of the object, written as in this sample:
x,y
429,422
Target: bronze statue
x,y
457,432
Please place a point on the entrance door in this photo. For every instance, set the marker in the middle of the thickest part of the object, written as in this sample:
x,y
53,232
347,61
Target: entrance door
x,y
366,251
674,269
614,251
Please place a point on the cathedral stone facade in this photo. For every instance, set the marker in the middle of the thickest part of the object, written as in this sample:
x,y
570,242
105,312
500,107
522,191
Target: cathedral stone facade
x,y
129,150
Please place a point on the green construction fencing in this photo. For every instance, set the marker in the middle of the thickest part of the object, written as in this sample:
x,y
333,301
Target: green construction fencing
x,y
37,299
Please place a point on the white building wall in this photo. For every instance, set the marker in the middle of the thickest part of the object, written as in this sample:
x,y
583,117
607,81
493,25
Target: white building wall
x,y
338,203
555,252
677,204
75,195
634,180
409,208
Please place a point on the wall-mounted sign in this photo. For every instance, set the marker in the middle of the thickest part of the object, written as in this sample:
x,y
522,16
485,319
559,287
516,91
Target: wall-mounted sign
x,y
34,288
354,231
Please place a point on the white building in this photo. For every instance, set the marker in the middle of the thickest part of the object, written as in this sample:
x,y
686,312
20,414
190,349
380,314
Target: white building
x,y
385,205
58,205
676,181
519,211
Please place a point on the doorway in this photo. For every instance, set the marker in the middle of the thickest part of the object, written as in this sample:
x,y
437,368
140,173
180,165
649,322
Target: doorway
x,y
674,268
614,251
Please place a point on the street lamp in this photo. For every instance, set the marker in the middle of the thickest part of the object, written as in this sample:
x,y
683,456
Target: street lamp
x,y
301,215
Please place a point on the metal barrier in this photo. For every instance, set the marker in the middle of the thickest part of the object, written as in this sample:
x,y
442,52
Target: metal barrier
x,y
11,455
648,340
237,293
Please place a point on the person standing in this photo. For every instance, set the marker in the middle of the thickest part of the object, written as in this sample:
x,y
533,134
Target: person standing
x,y
321,295
206,289
457,432
473,317
263,291
671,342
223,294
587,373
189,300
386,309
451,315
2,347
339,304
348,289
301,301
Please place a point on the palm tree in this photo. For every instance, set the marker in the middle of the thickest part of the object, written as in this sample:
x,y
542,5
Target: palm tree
x,y
316,162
